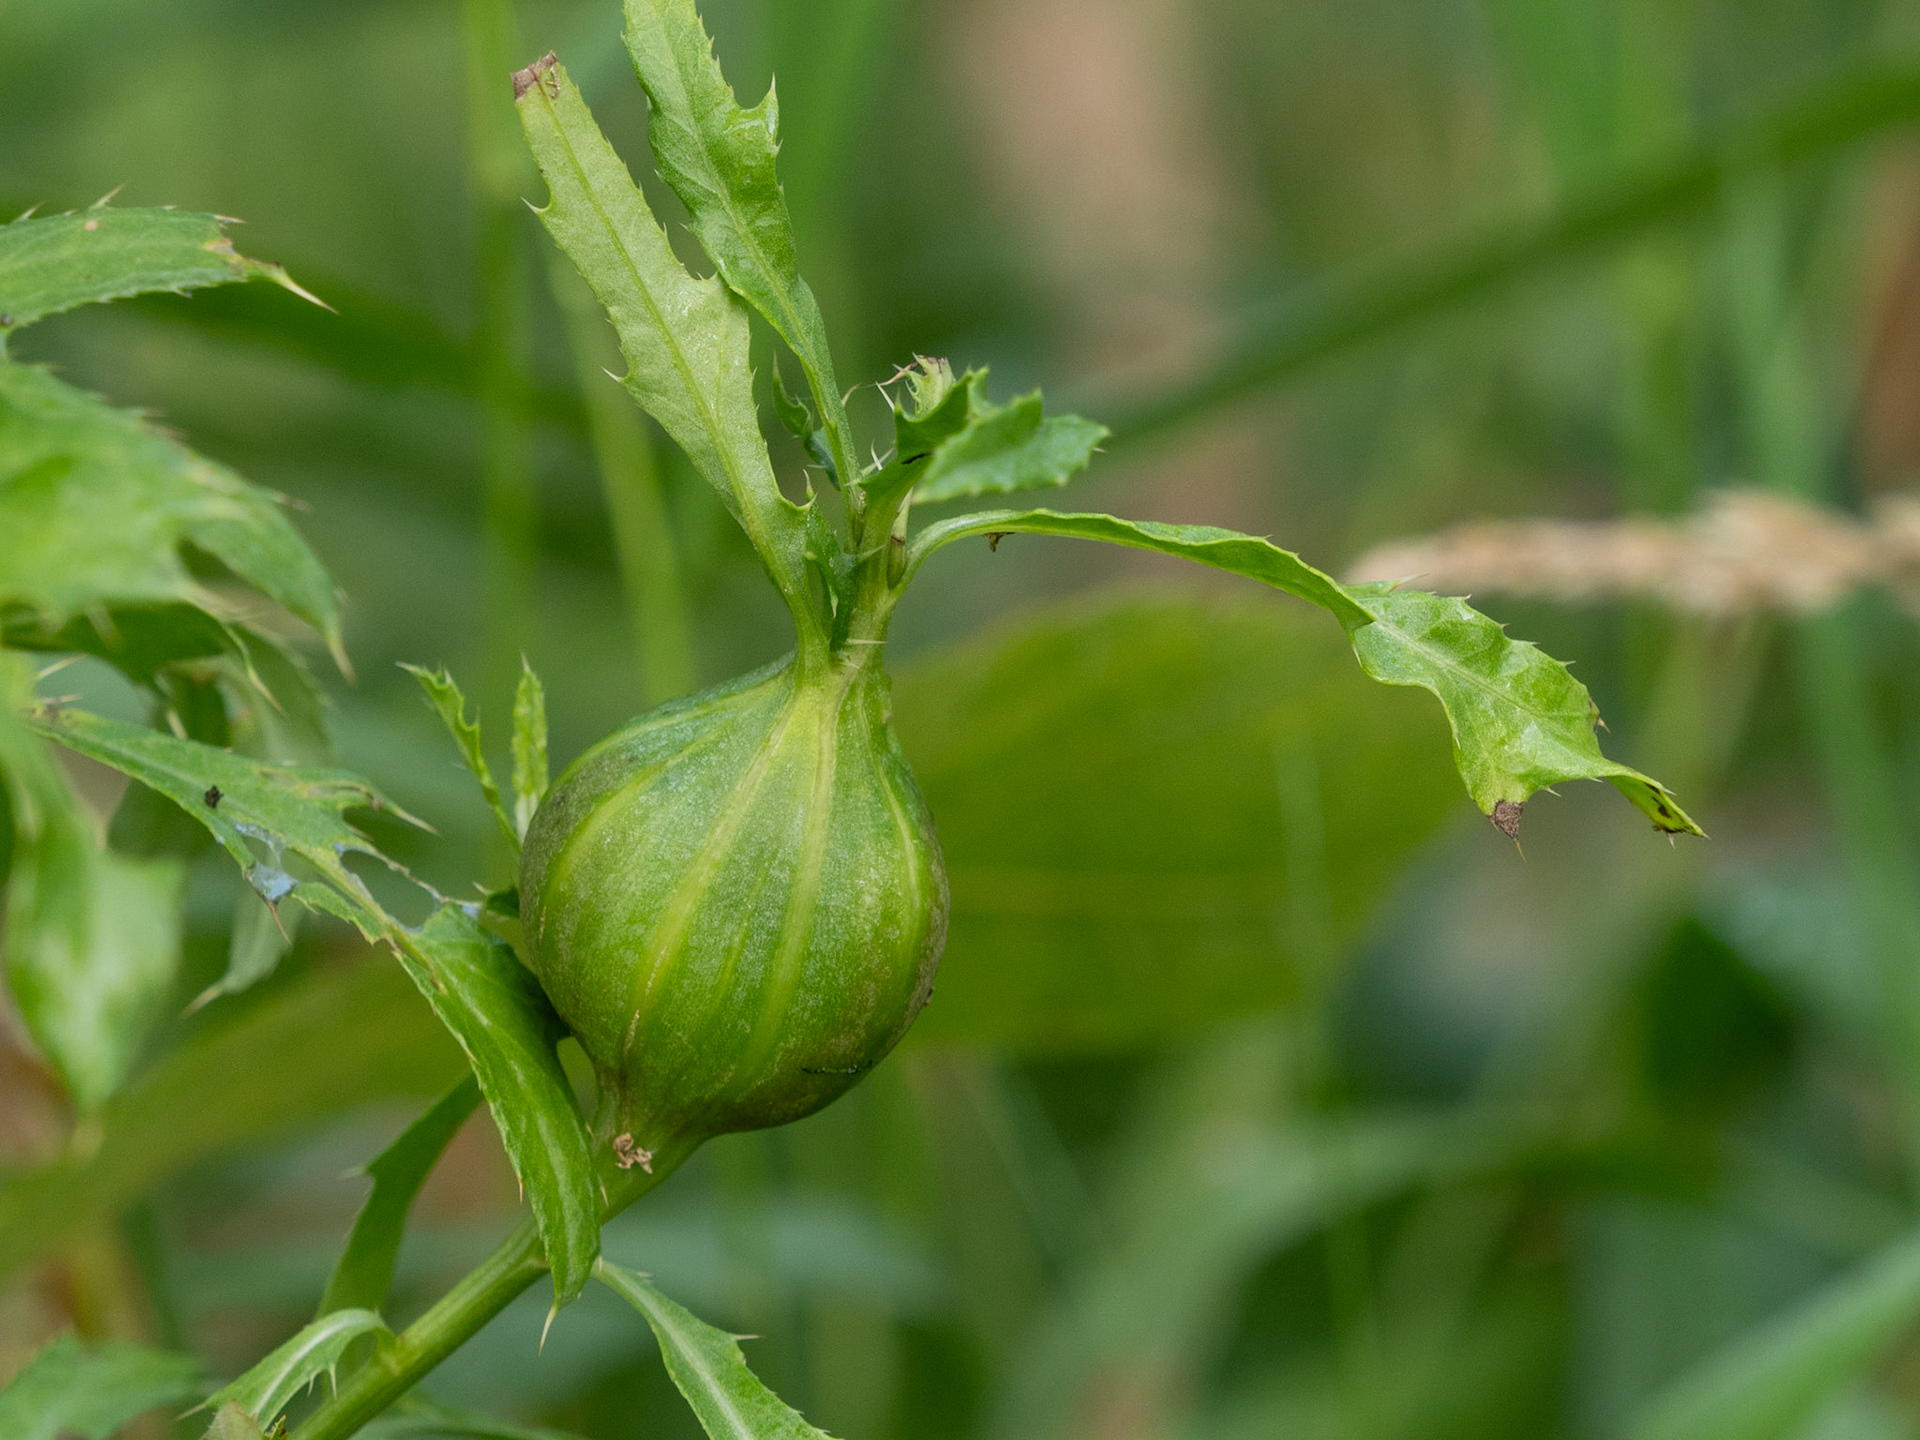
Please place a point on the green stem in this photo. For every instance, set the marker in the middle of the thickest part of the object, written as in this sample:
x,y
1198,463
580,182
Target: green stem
x,y
458,1315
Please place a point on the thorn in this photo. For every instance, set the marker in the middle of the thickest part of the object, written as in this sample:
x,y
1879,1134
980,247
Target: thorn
x,y
107,199
280,277
548,1326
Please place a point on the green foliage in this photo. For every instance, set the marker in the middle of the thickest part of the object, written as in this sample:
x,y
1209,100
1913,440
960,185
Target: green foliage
x,y
685,340
719,159
284,810
73,1387
267,1389
501,1018
60,261
451,706
364,1272
708,1368
952,443
1520,721
100,505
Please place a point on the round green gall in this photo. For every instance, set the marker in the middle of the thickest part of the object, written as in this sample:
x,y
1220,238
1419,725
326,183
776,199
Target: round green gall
x,y
737,903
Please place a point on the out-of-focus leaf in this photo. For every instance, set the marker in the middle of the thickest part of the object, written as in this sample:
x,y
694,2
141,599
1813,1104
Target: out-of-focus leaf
x,y
262,935
686,340
92,1389
99,505
451,706
365,1269
1126,862
57,262
245,802
265,1390
1767,1383
719,159
531,774
92,937
89,992
708,1368
499,1014
332,1043
1520,721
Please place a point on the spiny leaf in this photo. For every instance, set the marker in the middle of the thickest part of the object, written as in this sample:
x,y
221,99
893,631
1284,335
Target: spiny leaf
x,y
708,1368
265,1390
364,1272
1767,1383
57,262
531,774
451,706
246,802
1520,721
93,1388
686,340
719,159
952,442
98,505
500,1016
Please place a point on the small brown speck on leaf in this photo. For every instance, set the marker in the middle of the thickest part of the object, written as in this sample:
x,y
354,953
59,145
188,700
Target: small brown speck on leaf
x,y
994,537
213,797
91,226
525,80
1506,818
5,321
626,1154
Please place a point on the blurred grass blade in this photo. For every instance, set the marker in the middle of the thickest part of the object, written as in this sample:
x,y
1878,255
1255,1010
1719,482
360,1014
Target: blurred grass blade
x,y
265,1390
59,262
451,706
497,1011
531,774
127,498
245,802
364,1272
1769,1382
92,1389
708,1368
719,159
1520,721
1293,335
686,340
186,1108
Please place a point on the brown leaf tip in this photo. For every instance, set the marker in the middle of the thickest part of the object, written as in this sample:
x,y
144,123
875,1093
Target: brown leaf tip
x,y
1506,818
525,80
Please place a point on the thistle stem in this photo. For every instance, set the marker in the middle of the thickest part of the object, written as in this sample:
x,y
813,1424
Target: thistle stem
x,y
458,1315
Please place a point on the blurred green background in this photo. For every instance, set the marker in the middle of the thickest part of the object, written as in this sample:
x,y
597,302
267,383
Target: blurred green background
x,y
1267,1091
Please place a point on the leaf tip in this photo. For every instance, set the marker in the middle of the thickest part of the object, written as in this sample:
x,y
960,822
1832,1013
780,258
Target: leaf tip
x,y
539,73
